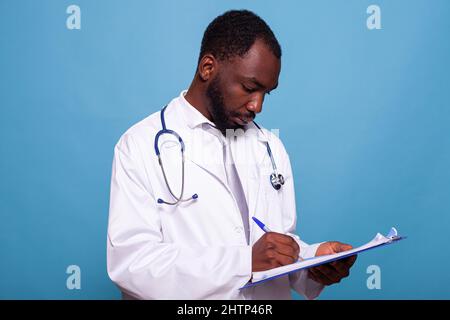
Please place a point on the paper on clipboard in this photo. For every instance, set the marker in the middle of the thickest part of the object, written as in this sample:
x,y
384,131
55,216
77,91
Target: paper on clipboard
x,y
379,240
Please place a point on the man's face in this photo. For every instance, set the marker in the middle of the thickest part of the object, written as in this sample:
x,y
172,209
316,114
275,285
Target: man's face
x,y
237,91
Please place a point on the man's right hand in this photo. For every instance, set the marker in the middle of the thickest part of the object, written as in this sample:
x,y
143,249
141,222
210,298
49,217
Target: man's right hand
x,y
274,250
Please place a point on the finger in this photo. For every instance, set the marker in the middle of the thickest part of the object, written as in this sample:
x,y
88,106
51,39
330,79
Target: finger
x,y
339,246
319,277
345,247
287,250
350,260
328,271
343,266
345,263
284,260
312,275
272,258
282,238
342,269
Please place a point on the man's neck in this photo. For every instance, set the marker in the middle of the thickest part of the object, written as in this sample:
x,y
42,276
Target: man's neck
x,y
197,98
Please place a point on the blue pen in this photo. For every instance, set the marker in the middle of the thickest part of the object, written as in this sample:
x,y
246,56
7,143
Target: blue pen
x,y
261,225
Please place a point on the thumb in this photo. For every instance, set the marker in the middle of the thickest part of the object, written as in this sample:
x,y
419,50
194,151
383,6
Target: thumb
x,y
339,247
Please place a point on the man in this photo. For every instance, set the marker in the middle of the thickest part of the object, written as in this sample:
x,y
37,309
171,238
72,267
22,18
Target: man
x,y
162,245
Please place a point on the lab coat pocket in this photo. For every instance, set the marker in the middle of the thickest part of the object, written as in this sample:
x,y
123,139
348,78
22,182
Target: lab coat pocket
x,y
271,194
272,199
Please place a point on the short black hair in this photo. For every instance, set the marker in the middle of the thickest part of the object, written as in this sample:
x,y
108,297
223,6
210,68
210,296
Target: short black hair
x,y
233,34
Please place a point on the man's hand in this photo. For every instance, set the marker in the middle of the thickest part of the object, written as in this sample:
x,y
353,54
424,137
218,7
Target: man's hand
x,y
332,272
274,250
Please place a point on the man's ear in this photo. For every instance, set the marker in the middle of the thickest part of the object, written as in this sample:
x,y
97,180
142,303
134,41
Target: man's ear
x,y
207,67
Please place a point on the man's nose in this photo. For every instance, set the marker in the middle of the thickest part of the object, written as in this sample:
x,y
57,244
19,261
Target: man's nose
x,y
255,105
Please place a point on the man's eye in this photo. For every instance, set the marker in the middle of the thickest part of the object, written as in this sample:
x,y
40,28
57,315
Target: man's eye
x,y
249,90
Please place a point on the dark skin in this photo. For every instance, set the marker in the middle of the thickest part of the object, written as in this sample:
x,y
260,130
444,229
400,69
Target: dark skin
x,y
243,83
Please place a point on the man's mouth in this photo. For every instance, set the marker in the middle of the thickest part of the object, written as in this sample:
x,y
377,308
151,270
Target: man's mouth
x,y
242,120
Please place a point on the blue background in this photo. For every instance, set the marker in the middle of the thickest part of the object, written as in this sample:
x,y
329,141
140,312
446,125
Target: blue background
x,y
363,113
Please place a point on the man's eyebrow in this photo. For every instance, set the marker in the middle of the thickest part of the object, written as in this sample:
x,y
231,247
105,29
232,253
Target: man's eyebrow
x,y
256,82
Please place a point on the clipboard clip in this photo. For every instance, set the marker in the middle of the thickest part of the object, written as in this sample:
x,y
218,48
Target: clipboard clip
x,y
393,235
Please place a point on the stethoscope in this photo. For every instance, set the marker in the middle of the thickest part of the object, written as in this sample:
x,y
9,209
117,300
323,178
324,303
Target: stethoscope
x,y
276,179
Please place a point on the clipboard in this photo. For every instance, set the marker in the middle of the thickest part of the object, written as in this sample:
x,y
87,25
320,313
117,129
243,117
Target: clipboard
x,y
378,241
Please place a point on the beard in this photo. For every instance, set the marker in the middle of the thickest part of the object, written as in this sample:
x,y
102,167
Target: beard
x,y
221,117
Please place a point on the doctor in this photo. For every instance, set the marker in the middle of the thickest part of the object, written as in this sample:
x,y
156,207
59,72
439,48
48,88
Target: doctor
x,y
187,180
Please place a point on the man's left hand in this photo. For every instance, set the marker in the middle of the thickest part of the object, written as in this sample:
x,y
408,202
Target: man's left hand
x,y
335,271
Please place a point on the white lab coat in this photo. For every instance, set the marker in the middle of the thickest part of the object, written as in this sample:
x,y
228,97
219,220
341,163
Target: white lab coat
x,y
198,249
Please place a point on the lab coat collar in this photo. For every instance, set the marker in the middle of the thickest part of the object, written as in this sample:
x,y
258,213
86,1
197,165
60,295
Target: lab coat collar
x,y
192,116
195,118
196,139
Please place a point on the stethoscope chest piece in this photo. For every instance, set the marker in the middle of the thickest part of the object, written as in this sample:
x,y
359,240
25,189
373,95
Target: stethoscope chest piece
x,y
277,180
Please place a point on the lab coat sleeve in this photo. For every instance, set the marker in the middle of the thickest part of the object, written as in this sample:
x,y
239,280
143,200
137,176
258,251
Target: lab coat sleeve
x,y
141,263
300,281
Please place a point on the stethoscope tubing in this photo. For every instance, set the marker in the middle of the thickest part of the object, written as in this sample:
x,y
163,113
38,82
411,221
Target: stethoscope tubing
x,y
276,179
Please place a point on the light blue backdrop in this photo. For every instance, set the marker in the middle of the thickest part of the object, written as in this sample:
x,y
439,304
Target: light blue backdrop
x,y
363,113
